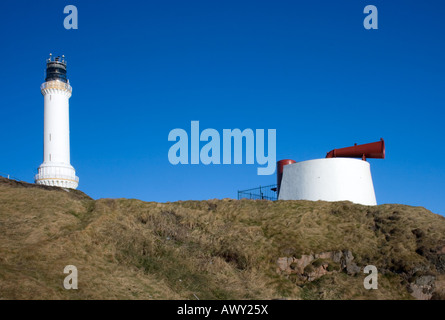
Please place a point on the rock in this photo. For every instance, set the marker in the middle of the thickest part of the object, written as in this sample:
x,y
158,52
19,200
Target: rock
x,y
304,261
324,255
425,280
282,264
352,269
348,256
350,266
292,265
336,256
423,287
318,272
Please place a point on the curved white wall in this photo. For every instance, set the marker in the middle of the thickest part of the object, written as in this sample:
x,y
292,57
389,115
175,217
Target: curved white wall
x,y
334,179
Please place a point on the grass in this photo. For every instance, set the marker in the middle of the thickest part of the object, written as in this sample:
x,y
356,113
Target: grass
x,y
214,249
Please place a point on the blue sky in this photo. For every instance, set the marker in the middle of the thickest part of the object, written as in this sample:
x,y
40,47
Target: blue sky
x,y
308,69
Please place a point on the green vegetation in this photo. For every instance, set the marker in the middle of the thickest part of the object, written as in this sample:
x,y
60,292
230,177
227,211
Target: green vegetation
x,y
215,249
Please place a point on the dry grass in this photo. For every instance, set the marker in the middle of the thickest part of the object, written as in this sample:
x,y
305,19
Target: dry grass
x,y
215,249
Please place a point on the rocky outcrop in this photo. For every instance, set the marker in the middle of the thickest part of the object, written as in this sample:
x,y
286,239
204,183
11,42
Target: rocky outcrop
x,y
313,266
423,286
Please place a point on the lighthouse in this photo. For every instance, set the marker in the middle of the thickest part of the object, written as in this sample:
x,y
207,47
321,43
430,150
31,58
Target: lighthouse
x,y
338,177
56,169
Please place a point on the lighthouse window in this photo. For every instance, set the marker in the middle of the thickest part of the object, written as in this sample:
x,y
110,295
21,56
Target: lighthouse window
x,y
50,157
50,137
49,97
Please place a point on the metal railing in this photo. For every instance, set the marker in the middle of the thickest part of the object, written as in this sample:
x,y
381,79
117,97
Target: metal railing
x,y
261,193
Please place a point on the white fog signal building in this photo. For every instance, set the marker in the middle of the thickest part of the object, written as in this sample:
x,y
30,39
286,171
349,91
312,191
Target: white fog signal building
x,y
56,169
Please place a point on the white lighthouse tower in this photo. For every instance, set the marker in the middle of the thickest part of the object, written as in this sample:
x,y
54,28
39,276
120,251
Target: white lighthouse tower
x,y
56,169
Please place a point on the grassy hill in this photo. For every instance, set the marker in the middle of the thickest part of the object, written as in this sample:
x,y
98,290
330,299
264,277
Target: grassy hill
x,y
215,249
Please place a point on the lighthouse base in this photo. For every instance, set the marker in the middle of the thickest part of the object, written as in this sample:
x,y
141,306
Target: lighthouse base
x,y
57,175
